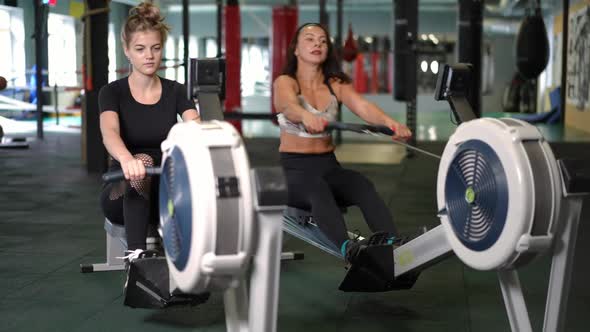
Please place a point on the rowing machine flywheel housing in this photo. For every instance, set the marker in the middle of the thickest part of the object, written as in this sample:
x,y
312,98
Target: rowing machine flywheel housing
x,y
206,214
498,193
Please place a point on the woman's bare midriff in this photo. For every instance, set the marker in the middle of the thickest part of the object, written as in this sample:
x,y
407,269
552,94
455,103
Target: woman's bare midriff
x,y
312,145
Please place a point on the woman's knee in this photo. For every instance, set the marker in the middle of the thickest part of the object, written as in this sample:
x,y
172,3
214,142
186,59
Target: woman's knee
x,y
147,160
360,183
112,209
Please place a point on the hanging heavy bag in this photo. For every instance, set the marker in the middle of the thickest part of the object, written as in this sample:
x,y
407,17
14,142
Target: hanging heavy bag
x,y
487,71
532,45
528,94
350,49
525,99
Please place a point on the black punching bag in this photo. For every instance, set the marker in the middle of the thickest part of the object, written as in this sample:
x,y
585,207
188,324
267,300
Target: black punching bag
x,y
532,46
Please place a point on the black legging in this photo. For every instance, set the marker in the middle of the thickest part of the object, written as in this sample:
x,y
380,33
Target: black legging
x,y
318,183
133,206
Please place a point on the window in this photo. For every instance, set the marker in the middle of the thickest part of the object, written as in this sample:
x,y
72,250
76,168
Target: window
x,y
61,50
178,60
193,47
112,44
12,36
210,47
193,52
255,74
170,54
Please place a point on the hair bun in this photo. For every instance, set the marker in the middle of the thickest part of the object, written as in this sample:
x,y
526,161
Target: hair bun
x,y
147,11
143,17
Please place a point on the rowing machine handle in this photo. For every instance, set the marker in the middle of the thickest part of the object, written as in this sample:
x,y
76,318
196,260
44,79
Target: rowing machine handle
x,y
360,128
118,175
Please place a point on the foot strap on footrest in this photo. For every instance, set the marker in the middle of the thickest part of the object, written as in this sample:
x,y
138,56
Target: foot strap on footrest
x,y
373,271
148,286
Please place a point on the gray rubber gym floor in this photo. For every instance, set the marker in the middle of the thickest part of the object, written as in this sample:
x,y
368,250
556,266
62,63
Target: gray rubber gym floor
x,y
50,222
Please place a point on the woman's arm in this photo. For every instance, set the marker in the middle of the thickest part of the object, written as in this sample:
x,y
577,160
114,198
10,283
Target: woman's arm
x,y
370,112
133,169
191,115
286,102
185,106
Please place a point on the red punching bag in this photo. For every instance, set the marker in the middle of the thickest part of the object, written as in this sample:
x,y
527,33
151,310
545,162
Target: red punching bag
x,y
360,75
350,49
374,87
233,52
284,25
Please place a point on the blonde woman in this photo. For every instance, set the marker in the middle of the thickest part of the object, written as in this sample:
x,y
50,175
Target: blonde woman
x,y
137,112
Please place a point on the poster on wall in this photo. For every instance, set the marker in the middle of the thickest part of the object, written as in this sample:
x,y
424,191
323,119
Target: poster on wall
x,y
578,58
556,47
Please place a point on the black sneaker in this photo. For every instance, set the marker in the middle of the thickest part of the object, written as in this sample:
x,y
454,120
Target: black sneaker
x,y
352,249
354,246
132,255
379,238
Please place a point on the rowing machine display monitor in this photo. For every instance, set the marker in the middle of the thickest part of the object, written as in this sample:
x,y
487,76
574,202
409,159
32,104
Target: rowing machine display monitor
x,y
452,85
207,84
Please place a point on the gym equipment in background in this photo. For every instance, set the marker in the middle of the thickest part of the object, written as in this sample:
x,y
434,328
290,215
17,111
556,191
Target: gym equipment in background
x,y
554,115
12,143
453,85
208,87
405,60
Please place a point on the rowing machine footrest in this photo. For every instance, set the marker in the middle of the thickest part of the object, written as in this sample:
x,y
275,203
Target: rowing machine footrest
x,y
148,286
374,271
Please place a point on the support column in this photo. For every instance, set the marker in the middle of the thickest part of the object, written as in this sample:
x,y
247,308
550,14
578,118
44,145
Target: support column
x,y
338,45
96,64
41,61
185,34
405,61
324,17
338,38
219,4
284,25
470,35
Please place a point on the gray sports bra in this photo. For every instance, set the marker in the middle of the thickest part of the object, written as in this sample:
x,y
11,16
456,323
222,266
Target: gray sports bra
x,y
298,129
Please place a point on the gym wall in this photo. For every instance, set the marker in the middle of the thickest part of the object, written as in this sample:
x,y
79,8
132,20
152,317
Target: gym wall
x,y
577,110
578,76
